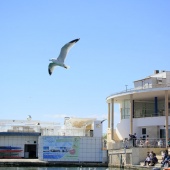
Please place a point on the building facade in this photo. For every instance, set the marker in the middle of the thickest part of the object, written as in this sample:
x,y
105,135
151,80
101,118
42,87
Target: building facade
x,y
78,140
143,110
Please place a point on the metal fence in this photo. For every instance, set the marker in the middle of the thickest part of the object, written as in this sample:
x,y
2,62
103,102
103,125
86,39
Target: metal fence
x,y
144,143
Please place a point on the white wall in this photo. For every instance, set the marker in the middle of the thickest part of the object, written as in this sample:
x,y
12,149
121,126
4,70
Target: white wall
x,y
86,149
97,128
138,84
167,77
18,141
160,74
150,121
123,128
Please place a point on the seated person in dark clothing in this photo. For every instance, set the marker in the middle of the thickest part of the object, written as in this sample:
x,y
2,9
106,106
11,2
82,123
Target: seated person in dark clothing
x,y
154,160
167,159
164,155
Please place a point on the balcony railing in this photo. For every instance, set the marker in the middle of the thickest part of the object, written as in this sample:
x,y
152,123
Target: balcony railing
x,y
143,115
142,143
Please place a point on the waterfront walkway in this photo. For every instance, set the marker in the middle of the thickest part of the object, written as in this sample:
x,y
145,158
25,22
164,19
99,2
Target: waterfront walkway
x,y
39,163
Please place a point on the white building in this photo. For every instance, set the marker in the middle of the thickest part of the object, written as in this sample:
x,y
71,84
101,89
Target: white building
x,y
79,139
144,110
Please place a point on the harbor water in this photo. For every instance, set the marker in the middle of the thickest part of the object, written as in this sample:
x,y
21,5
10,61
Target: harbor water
x,y
57,168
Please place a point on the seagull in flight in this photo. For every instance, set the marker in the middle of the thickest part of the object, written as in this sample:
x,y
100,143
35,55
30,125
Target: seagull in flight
x,y
60,60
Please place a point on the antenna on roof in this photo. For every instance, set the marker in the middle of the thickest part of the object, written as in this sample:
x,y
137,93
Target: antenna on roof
x,y
126,87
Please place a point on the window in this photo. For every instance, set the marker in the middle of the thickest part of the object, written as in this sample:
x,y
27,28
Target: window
x,y
163,134
143,131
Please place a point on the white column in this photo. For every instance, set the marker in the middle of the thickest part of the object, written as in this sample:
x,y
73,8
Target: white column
x,y
112,119
108,115
166,116
131,114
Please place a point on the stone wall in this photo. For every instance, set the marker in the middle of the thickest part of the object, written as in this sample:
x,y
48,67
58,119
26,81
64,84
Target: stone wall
x,y
139,154
120,157
130,157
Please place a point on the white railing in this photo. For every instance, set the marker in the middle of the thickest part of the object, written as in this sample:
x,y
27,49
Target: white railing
x,y
47,131
149,86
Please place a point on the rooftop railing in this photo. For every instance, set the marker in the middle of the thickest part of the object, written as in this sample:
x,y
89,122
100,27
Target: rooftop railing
x,y
148,86
48,131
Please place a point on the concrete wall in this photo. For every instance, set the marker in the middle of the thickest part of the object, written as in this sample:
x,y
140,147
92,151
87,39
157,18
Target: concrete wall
x,y
139,154
119,157
130,156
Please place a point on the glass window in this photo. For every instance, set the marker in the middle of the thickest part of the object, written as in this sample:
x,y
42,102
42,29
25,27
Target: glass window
x,y
143,131
126,109
163,134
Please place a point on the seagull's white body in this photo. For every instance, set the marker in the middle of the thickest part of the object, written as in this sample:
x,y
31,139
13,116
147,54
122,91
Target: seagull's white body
x,y
60,60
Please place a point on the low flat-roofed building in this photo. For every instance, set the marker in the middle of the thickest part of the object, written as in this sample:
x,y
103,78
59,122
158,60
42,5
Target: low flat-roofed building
x,y
78,140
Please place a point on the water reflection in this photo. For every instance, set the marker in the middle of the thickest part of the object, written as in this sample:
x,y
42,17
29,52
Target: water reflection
x,y
56,168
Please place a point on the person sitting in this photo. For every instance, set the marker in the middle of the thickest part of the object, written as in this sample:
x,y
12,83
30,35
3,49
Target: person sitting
x,y
147,160
152,154
166,161
154,160
164,155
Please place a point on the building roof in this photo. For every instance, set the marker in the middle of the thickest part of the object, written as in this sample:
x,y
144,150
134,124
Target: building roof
x,y
79,122
20,134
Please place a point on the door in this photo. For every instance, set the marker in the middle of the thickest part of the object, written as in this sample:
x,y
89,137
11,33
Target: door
x,y
30,149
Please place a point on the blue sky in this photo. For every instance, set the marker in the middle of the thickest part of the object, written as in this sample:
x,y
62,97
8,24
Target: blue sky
x,y
120,41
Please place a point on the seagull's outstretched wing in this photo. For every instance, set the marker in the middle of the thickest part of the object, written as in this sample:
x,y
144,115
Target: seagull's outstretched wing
x,y
51,68
65,49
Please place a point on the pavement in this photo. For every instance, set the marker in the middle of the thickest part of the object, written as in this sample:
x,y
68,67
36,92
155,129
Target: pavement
x,y
39,163
22,160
